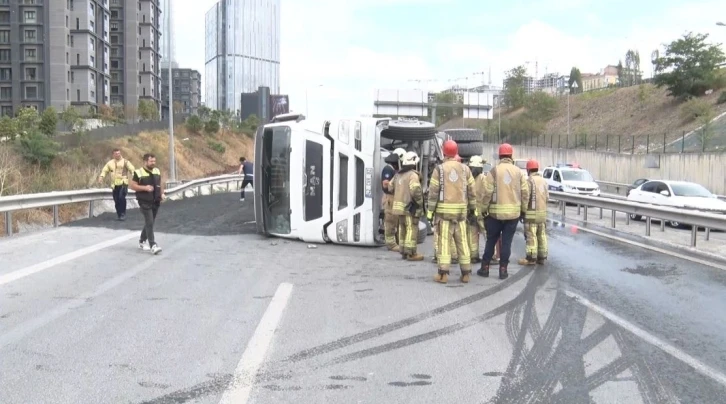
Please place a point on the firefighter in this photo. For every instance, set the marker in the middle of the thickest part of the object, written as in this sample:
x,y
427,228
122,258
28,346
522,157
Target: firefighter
x,y
407,202
503,202
451,200
390,221
476,223
535,218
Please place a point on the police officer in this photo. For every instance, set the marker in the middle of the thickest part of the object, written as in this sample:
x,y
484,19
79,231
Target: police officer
x,y
535,218
149,188
476,223
407,203
503,202
451,199
390,221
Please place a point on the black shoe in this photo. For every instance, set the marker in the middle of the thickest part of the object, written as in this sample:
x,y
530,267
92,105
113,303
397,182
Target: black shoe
x,y
503,274
122,217
483,271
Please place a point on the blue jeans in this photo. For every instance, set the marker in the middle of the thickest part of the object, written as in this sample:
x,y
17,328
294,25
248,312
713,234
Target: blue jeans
x,y
119,198
244,185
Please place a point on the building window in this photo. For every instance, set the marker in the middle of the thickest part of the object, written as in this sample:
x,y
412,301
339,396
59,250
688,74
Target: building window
x,y
29,16
114,64
114,26
4,36
78,95
30,35
30,54
6,93
5,17
6,111
31,92
6,74
31,73
4,55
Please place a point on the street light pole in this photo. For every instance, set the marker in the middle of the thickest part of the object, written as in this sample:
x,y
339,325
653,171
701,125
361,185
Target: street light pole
x,y
172,158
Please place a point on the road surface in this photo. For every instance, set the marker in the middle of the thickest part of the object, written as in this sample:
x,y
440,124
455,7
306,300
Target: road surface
x,y
223,315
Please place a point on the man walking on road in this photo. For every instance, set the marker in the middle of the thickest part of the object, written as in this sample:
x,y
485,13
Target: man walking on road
x,y
502,203
245,168
149,193
120,169
535,219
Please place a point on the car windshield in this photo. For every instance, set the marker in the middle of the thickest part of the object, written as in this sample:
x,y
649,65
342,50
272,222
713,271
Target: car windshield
x,y
689,189
576,175
521,164
276,179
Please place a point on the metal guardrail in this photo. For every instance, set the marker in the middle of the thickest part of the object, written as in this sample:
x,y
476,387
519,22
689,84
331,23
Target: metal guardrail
x,y
697,219
9,204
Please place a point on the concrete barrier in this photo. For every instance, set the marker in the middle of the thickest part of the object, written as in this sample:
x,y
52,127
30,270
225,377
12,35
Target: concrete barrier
x,y
707,169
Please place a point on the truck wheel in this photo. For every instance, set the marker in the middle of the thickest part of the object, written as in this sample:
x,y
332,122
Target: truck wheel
x,y
467,150
422,232
465,135
409,131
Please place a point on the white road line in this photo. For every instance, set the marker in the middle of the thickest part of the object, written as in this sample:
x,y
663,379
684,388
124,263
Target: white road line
x,y
648,247
699,366
22,273
246,372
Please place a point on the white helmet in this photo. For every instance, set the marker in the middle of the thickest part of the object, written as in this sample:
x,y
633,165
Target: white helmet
x,y
400,151
476,161
410,159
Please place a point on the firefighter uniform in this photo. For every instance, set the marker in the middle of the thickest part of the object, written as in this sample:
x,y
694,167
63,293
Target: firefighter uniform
x,y
535,218
407,202
503,202
451,199
390,221
476,223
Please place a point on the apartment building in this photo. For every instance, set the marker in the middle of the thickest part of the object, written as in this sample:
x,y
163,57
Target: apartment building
x,y
65,53
186,90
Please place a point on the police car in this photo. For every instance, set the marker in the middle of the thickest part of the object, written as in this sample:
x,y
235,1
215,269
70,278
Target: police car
x,y
570,178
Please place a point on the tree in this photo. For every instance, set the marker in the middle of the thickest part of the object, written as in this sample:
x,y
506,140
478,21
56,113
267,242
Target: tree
x,y
194,124
119,112
445,113
106,113
72,119
28,119
251,122
515,89
49,121
148,111
204,112
178,108
575,77
38,149
8,128
631,72
8,169
211,127
689,65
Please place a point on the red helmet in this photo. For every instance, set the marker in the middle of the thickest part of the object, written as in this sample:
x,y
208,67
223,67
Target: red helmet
x,y
505,149
532,165
451,149
458,158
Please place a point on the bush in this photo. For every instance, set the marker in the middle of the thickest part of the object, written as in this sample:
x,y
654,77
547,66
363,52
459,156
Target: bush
x,y
695,108
216,146
48,121
540,106
194,124
211,127
722,98
37,148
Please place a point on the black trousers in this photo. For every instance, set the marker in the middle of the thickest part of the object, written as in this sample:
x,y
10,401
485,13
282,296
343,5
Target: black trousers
x,y
244,184
496,229
119,198
149,211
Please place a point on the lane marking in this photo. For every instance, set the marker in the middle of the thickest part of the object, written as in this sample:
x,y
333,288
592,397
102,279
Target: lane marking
x,y
699,366
648,247
24,328
244,376
33,269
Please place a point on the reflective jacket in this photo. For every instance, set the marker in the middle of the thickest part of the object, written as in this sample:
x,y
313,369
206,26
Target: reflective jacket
x,y
407,193
387,199
120,170
451,191
506,192
143,177
537,202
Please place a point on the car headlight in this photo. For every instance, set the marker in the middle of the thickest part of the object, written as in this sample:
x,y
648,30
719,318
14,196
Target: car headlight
x,y
341,231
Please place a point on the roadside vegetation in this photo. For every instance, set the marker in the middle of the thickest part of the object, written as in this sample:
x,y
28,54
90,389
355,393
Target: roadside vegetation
x,y
31,161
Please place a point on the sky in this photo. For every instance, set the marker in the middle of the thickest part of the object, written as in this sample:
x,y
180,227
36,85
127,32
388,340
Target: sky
x,y
338,52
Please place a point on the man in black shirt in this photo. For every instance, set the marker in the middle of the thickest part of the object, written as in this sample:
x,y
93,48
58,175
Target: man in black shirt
x,y
146,182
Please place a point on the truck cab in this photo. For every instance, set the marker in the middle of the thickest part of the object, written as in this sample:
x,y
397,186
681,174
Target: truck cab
x,y
319,180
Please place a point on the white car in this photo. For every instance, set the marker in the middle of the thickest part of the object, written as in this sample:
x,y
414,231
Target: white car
x,y
676,194
569,179
522,165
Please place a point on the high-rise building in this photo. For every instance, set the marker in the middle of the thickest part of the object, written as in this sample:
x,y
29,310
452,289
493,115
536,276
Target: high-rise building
x,y
242,51
80,53
187,90
167,30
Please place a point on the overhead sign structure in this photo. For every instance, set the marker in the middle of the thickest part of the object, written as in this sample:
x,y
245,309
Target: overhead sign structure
x,y
416,103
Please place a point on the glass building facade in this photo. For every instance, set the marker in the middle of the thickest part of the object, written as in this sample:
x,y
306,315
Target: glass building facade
x,y
242,51
167,30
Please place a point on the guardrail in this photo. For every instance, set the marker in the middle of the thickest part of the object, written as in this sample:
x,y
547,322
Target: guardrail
x,y
697,219
622,189
9,204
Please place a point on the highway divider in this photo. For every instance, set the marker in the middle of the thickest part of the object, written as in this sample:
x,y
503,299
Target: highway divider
x,y
9,204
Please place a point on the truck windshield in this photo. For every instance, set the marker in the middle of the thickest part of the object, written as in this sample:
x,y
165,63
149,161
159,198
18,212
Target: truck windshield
x,y
276,179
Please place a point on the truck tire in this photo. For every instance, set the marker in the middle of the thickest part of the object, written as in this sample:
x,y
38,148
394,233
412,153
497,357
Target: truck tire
x,y
467,150
409,131
422,232
465,135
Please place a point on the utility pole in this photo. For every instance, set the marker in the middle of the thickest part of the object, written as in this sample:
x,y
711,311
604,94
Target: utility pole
x,y
172,158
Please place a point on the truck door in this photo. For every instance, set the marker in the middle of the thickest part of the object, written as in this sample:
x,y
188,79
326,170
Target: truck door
x,y
312,183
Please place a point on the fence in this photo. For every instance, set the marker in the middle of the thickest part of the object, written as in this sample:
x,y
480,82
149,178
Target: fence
x,y
70,140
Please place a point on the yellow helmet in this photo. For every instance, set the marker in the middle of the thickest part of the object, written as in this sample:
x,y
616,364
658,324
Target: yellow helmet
x,y
410,159
476,161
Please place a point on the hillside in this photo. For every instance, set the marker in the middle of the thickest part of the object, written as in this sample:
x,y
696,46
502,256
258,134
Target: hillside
x,y
643,112
78,168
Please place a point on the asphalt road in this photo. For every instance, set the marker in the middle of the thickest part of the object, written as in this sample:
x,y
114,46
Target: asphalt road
x,y
223,314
